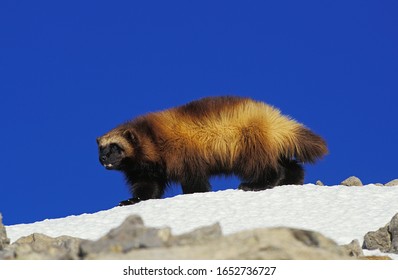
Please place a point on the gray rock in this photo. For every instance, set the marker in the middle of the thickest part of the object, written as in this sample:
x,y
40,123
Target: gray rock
x,y
393,230
319,183
4,240
131,234
379,184
379,239
392,183
38,246
274,243
385,239
352,181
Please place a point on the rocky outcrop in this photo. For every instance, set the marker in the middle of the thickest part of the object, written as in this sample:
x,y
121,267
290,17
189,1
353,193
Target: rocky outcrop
x,y
385,239
130,235
42,247
133,240
274,243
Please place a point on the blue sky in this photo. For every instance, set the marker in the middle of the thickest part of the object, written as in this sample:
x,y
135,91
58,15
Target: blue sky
x,y
72,70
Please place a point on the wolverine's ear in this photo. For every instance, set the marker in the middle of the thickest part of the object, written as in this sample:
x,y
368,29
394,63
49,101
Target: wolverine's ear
x,y
130,136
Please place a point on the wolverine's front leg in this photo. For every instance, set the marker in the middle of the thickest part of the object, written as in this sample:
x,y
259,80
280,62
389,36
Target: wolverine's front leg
x,y
267,179
144,190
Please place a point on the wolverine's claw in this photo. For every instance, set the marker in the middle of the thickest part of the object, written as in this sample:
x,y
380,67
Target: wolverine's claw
x,y
130,201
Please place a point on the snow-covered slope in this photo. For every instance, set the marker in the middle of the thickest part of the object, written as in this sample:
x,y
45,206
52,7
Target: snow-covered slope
x,y
339,212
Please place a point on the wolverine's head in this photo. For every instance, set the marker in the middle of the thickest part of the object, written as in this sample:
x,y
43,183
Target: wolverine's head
x,y
115,148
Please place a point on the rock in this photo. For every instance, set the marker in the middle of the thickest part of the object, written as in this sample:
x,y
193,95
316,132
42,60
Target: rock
x,y
392,183
7,254
353,249
319,183
274,243
4,240
393,230
379,184
38,246
131,234
379,239
352,181
198,236
385,239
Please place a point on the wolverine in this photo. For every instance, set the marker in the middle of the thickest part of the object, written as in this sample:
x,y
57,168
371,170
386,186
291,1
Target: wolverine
x,y
211,136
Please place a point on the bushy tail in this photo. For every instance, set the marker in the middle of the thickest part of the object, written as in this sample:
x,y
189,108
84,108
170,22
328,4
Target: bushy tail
x,y
309,146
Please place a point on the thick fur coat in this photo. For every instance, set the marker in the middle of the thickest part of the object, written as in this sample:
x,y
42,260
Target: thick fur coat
x,y
210,136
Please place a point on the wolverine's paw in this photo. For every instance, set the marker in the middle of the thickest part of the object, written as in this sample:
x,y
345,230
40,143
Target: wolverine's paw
x,y
130,201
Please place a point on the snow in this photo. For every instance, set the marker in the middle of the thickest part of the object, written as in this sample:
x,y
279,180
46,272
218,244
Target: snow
x,y
339,212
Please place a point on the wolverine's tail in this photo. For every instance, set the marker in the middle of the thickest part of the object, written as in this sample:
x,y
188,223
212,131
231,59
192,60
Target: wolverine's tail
x,y
308,146
289,139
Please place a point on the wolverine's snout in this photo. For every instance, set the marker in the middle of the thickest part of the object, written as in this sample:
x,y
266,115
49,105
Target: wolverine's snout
x,y
111,156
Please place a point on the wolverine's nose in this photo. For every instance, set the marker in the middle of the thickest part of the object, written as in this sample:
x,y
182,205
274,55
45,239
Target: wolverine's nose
x,y
103,158
103,155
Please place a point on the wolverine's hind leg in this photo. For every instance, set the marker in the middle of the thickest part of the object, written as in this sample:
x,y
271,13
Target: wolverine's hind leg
x,y
263,181
293,173
288,172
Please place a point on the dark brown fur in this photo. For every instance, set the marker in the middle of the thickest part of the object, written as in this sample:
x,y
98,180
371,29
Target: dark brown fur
x,y
221,135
